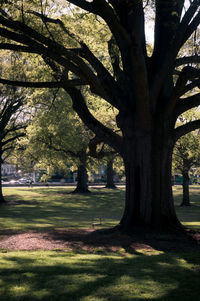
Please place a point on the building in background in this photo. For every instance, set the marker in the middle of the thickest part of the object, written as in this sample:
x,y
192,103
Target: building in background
x,y
8,169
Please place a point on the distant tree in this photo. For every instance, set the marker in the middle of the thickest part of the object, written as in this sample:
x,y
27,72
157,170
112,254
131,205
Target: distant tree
x,y
110,173
105,155
57,137
186,156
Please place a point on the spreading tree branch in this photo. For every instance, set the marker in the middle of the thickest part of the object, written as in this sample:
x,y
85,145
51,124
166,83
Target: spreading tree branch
x,y
186,104
192,27
185,129
186,26
103,75
69,83
52,49
17,135
178,40
187,60
60,149
18,48
115,57
84,5
130,40
13,129
93,144
192,85
187,74
104,133
8,112
91,122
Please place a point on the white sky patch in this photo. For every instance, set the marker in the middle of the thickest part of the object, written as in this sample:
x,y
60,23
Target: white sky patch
x,y
149,32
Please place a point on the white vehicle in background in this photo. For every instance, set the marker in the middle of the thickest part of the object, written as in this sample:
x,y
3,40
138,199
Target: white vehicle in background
x,y
25,180
13,182
22,181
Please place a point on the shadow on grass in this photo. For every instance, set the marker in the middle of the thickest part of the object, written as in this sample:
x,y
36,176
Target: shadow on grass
x,y
59,208
48,208
109,240
61,276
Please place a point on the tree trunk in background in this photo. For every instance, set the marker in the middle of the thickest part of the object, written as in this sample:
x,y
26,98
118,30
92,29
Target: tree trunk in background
x,y
110,174
82,177
2,200
186,196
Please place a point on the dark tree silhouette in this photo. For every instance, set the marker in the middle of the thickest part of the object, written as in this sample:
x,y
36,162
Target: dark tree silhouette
x,y
11,127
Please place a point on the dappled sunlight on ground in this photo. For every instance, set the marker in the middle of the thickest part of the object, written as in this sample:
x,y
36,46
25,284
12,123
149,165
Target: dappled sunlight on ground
x,y
58,208
66,259
108,277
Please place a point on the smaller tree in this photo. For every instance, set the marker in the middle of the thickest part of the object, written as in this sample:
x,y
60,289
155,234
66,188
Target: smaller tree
x,y
186,156
105,154
57,138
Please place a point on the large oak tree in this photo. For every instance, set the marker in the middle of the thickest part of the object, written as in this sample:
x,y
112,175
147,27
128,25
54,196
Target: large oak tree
x,y
149,92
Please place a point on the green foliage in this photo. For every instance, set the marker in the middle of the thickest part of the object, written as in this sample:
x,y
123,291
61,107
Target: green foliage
x,y
58,125
187,148
56,135
186,152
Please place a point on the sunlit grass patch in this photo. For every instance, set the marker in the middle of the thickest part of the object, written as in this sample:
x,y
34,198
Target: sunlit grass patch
x,y
189,216
56,207
117,276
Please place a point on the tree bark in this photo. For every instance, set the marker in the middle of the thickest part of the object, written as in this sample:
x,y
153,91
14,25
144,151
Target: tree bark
x,y
82,178
147,157
186,195
163,211
110,173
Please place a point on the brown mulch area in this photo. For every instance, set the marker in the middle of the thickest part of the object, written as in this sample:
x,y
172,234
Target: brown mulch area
x,y
90,240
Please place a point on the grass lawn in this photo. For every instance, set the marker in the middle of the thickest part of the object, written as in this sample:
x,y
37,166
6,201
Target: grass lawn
x,y
56,276
98,275
47,208
189,216
50,208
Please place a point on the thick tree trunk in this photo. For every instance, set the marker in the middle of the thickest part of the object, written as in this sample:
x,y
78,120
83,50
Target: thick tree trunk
x,y
82,177
163,211
186,196
110,175
2,200
138,182
149,201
